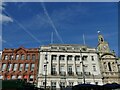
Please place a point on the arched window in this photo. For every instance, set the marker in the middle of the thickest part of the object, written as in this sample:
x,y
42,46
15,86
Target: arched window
x,y
17,57
6,57
22,57
109,66
11,57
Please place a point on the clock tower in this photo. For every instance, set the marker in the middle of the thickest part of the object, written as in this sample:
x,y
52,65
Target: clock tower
x,y
107,59
103,46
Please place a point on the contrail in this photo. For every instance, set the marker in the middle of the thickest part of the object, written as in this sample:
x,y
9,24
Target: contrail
x,y
45,10
23,27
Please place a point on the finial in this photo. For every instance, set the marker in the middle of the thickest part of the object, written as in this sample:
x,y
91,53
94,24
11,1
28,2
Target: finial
x,y
98,32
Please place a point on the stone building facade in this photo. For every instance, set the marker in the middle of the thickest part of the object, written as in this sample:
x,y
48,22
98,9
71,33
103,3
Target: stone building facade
x,y
68,65
21,63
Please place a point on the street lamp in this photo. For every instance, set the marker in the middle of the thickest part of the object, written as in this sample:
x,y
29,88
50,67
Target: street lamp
x,y
82,67
45,67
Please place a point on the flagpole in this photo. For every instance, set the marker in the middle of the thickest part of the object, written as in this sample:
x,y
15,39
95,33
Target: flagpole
x,y
83,39
52,38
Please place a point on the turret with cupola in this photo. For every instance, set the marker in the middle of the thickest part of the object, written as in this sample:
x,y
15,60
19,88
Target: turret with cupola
x,y
102,46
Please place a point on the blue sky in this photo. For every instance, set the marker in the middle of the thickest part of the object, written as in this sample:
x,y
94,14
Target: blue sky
x,y
31,26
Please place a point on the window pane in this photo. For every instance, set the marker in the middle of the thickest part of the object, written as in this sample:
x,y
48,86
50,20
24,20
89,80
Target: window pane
x,y
22,57
54,57
69,57
11,57
6,57
13,77
26,67
33,57
21,67
32,67
77,58
19,77
3,67
1,77
92,58
17,57
61,57
31,77
15,67
10,67
94,68
53,84
28,57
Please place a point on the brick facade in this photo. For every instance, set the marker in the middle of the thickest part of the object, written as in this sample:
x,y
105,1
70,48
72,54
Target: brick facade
x,y
19,63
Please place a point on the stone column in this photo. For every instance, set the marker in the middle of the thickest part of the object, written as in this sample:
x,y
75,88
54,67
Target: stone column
x,y
58,64
74,65
66,65
49,64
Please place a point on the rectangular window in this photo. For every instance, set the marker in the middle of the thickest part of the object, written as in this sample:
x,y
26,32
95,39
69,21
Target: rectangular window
x,y
3,67
92,58
53,84
70,84
33,57
13,77
10,67
32,67
62,48
84,58
94,68
19,77
53,70
78,70
15,67
1,77
53,47
28,57
69,57
62,70
77,58
54,57
62,84
21,67
31,77
61,57
26,67
70,70
86,68
69,48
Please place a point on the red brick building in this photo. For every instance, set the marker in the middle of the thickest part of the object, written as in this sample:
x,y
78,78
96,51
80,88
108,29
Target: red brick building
x,y
19,63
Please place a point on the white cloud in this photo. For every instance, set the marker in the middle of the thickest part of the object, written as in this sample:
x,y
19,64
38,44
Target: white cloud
x,y
4,18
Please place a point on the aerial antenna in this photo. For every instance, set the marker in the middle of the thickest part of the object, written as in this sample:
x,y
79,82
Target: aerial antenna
x,y
83,39
52,38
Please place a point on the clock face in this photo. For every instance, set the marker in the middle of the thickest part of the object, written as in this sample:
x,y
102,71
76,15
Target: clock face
x,y
104,47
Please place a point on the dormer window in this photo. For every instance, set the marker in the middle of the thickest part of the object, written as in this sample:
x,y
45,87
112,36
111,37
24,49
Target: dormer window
x,y
84,49
69,48
53,47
